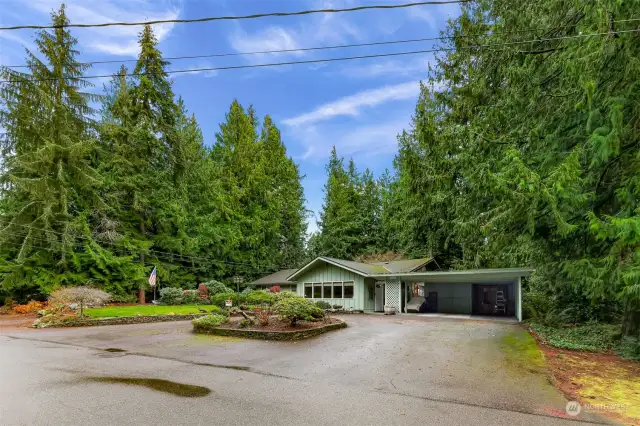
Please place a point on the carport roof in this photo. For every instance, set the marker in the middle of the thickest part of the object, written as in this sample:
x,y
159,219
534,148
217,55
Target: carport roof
x,y
471,275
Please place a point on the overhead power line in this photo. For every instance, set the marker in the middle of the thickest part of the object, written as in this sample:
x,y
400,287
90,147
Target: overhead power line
x,y
333,47
348,58
235,18
121,246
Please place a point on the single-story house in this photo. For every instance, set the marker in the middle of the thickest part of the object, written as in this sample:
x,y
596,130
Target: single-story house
x,y
372,286
279,278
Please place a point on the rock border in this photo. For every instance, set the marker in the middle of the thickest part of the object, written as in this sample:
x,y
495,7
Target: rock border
x,y
142,319
268,335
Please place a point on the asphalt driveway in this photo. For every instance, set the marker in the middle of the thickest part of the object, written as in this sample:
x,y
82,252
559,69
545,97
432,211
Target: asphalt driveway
x,y
380,370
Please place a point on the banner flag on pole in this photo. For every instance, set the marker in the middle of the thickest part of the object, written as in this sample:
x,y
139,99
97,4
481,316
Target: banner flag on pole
x,y
152,277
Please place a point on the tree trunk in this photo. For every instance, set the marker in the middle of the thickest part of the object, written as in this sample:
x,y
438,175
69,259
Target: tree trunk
x,y
141,296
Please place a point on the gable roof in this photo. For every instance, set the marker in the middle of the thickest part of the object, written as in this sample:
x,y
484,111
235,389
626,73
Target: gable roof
x,y
400,266
365,269
362,268
359,268
279,277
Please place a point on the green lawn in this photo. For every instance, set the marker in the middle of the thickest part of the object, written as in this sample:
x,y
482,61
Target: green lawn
x,y
131,311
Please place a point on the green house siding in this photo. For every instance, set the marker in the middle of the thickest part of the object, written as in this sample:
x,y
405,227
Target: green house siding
x,y
328,273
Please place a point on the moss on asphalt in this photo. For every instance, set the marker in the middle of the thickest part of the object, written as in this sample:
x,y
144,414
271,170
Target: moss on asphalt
x,y
521,351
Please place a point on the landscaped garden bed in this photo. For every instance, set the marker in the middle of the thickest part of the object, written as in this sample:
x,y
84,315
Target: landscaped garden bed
x,y
88,322
277,329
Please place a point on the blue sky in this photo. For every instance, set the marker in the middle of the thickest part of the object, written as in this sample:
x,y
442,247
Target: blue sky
x,y
358,106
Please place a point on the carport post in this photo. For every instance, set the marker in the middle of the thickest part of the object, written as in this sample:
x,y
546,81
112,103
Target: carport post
x,y
406,296
519,301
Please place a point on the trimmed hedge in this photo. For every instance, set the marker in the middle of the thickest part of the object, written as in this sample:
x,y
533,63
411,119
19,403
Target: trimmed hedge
x,y
268,335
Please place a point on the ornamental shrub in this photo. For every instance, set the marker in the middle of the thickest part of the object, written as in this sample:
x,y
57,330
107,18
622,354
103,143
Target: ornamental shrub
x,y
81,296
171,296
220,298
283,295
259,297
263,317
297,309
192,297
211,320
216,287
323,305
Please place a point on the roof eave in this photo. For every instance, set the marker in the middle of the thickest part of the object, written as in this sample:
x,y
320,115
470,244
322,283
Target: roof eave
x,y
503,272
324,259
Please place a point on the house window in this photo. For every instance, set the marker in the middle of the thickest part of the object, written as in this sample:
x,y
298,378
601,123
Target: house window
x,y
308,291
317,290
337,290
326,292
348,290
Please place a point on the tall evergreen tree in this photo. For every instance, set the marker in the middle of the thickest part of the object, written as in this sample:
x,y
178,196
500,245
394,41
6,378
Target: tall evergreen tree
x,y
370,211
237,154
285,203
50,187
339,227
527,154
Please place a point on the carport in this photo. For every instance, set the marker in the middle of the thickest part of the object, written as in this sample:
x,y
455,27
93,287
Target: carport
x,y
495,292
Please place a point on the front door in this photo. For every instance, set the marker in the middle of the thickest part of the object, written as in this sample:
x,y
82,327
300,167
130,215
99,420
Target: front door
x,y
379,306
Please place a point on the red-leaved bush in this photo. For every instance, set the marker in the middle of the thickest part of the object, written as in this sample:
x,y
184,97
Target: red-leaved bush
x,y
275,289
31,307
204,291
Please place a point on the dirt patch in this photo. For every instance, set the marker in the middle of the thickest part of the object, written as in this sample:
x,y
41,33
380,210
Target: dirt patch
x,y
166,386
602,383
17,320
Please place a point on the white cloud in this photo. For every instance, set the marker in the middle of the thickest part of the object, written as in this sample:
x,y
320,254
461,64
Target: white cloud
x,y
424,14
271,38
396,68
434,15
309,31
364,139
351,105
116,40
197,70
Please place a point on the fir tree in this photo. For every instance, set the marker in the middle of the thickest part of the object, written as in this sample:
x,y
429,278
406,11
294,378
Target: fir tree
x,y
51,189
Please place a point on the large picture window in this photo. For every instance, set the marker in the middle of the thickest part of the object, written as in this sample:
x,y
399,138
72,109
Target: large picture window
x,y
326,291
317,290
337,290
348,290
332,290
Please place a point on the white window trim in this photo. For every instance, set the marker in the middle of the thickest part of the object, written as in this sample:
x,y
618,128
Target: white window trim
x,y
333,283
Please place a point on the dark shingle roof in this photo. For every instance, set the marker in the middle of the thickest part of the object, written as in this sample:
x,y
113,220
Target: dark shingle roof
x,y
279,277
400,266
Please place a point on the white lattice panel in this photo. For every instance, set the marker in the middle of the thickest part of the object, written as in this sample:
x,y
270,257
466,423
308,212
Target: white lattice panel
x,y
392,293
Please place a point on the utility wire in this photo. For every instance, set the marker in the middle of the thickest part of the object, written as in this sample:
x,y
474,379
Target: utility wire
x,y
149,251
339,46
234,18
348,58
159,261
